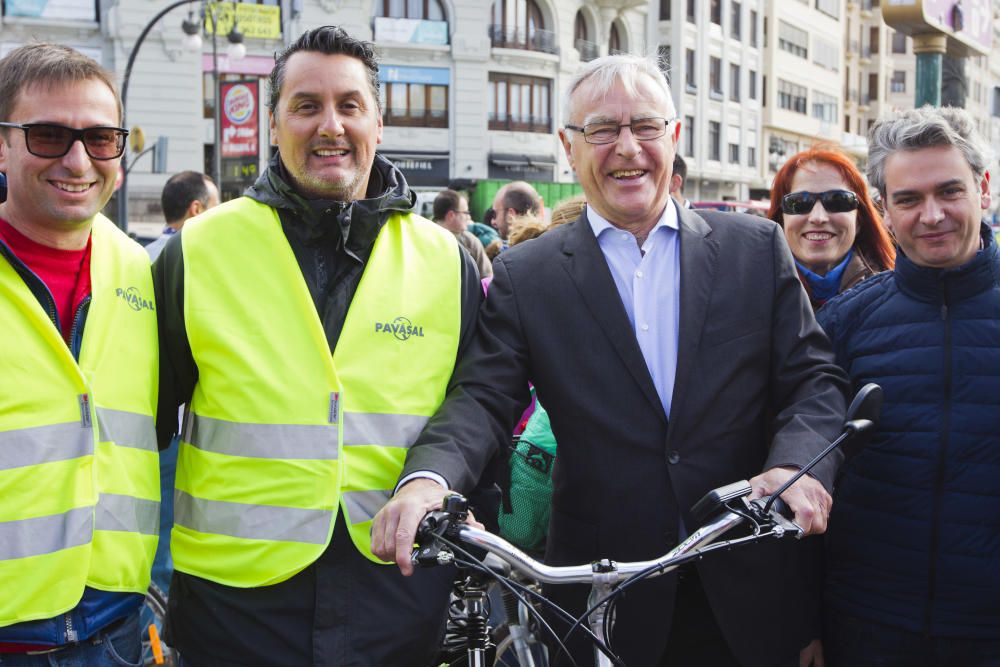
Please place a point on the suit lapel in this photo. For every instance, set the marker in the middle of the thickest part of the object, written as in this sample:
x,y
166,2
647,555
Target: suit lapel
x,y
699,254
588,269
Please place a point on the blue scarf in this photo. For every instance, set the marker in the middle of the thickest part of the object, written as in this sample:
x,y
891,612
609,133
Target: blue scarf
x,y
825,287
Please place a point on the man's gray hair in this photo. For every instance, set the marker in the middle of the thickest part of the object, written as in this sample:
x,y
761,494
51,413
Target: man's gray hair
x,y
925,127
602,74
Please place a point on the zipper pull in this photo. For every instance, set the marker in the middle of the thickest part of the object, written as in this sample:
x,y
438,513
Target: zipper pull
x,y
85,410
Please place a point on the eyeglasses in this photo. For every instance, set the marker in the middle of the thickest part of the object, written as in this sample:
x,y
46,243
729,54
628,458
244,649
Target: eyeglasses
x,y
643,129
49,140
834,201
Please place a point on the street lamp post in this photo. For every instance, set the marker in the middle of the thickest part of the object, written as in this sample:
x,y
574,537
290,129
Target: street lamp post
x,y
123,190
191,29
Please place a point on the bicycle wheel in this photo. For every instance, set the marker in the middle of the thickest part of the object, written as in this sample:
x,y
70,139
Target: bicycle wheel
x,y
154,611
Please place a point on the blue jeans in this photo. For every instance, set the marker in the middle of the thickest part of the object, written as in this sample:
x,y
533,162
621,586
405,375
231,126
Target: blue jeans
x,y
120,646
855,642
163,564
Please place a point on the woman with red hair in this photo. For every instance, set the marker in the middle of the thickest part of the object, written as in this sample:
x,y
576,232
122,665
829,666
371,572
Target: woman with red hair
x,y
835,232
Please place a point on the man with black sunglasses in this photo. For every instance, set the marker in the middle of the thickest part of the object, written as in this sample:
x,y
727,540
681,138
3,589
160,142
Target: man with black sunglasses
x,y
78,460
914,539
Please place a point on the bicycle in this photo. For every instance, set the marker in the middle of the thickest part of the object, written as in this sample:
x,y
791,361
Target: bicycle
x,y
154,611
442,533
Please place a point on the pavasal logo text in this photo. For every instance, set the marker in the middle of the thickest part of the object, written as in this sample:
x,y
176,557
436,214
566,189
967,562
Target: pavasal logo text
x,y
133,298
400,327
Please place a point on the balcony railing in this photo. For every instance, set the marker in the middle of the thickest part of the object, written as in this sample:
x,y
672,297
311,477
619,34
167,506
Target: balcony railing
x,y
519,38
520,123
588,50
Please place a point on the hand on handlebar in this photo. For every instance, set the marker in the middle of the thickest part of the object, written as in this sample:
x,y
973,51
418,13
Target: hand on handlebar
x,y
395,526
806,498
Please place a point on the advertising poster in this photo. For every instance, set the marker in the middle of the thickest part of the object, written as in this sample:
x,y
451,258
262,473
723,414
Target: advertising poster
x,y
240,130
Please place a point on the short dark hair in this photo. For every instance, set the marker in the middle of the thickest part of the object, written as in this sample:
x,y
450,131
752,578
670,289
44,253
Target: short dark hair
x,y
331,40
521,197
447,200
182,189
680,168
46,64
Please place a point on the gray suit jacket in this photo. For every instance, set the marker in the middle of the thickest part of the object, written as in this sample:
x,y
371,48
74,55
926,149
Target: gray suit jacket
x,y
756,387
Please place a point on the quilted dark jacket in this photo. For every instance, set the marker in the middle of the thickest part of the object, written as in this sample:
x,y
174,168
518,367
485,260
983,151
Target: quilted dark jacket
x,y
914,537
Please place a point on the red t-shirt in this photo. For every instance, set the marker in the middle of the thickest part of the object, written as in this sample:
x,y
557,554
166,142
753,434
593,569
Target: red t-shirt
x,y
65,272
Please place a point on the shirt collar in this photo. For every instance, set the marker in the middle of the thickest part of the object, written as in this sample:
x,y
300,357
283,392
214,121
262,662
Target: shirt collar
x,y
667,219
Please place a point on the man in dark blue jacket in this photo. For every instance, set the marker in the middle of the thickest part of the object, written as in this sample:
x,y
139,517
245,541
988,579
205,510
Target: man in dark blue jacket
x,y
914,536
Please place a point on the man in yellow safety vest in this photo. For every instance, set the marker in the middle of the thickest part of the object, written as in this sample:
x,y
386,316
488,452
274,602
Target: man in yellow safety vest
x,y
312,327
78,364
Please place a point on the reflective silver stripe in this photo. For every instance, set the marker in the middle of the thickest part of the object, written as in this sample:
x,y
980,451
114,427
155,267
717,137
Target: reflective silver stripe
x,y
252,522
364,505
387,430
46,534
262,441
42,444
126,429
128,514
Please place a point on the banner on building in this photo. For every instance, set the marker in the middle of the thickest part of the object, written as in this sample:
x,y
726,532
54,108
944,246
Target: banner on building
x,y
256,21
239,122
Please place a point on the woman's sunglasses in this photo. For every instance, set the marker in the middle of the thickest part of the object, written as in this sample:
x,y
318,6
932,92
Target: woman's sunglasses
x,y
834,201
49,140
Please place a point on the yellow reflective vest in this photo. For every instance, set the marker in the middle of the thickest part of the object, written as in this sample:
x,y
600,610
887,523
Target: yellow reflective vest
x,y
79,468
280,432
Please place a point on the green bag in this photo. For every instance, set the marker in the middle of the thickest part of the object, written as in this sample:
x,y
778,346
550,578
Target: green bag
x,y
524,513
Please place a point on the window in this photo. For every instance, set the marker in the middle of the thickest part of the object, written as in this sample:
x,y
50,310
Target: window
x,y
996,102
734,144
715,12
519,103
791,96
692,7
714,138
898,82
873,86
824,107
581,39
826,54
752,148
735,20
690,81
518,24
715,76
898,42
615,40
665,10
734,82
873,41
414,104
829,7
753,27
752,84
422,10
793,40
689,136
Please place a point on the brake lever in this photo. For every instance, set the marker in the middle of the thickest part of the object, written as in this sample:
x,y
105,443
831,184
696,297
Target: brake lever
x,y
454,511
776,516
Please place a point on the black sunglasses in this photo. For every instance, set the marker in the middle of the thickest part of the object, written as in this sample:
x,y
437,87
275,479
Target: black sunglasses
x,y
49,140
834,201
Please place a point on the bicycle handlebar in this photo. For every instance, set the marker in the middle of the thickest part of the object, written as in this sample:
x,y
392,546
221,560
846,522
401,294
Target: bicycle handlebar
x,y
448,523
